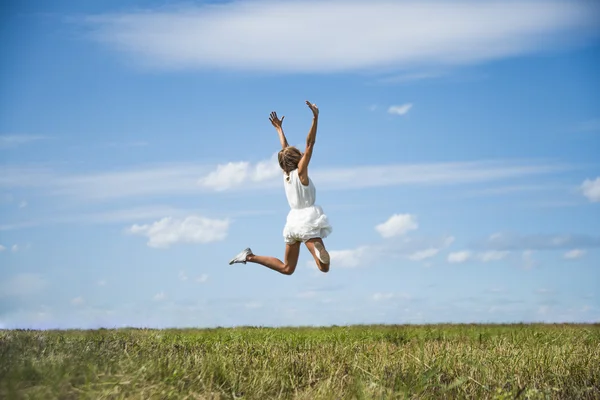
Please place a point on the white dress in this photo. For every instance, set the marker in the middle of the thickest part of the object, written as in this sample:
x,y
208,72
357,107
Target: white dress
x,y
305,220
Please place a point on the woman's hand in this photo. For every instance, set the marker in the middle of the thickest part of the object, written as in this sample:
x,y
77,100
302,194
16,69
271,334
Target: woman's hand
x,y
313,108
276,121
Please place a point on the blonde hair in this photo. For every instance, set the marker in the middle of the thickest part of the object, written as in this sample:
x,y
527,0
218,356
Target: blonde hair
x,y
289,158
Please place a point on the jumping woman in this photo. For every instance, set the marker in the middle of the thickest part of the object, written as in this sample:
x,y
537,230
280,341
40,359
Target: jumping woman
x,y
306,221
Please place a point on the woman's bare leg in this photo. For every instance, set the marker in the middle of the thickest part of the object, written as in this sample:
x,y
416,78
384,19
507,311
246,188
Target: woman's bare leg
x,y
310,244
292,251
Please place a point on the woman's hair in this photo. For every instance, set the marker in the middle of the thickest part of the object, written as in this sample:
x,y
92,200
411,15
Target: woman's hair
x,y
289,158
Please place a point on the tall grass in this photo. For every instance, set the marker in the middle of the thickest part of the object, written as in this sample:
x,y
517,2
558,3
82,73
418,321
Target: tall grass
x,y
357,362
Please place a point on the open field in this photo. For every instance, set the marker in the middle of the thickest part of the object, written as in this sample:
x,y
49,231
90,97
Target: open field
x,y
435,361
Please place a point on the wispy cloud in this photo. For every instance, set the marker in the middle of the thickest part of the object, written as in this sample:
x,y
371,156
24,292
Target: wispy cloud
x,y
10,141
516,242
410,77
160,296
193,229
527,260
125,215
400,109
77,301
352,258
493,255
123,145
382,296
459,257
573,254
164,179
308,294
513,189
486,256
591,189
432,250
424,254
452,173
193,179
231,35
24,284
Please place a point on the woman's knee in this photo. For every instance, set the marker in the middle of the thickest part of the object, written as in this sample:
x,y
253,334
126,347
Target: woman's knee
x,y
288,269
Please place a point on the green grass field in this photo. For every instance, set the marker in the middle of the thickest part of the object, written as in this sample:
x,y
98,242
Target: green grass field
x,y
358,362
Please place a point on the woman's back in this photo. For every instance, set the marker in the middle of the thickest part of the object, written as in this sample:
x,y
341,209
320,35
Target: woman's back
x,y
298,195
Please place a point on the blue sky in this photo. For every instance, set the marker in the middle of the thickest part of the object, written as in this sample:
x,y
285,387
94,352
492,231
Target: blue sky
x,y
456,158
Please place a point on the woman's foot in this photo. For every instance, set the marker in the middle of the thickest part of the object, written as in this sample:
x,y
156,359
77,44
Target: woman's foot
x,y
321,253
241,258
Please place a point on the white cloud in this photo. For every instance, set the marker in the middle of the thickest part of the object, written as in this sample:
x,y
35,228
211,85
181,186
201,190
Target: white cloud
x,y
544,291
400,110
400,35
102,282
309,294
383,296
160,296
397,224
124,215
492,255
573,254
20,225
486,256
22,285
425,248
512,189
77,301
351,258
193,229
138,143
182,276
591,189
14,248
233,174
23,204
509,242
459,257
2,248
410,77
9,141
527,260
202,278
379,296
424,254
226,176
